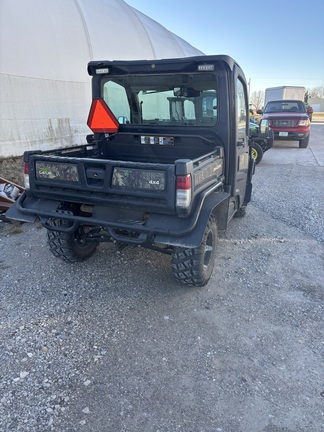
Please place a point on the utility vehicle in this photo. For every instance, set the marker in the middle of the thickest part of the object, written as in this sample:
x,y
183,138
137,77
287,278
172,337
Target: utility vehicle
x,y
168,164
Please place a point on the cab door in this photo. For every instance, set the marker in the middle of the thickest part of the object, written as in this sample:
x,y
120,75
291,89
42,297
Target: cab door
x,y
242,140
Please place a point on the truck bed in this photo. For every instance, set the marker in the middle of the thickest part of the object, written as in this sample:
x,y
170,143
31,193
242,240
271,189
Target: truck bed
x,y
125,171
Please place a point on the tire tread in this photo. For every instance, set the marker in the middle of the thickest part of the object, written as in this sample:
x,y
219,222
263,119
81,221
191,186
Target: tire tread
x,y
186,263
63,245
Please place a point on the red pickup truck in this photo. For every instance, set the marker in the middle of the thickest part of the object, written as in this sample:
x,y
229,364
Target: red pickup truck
x,y
288,120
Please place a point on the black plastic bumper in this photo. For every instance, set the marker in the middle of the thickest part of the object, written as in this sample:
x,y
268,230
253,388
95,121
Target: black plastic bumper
x,y
165,229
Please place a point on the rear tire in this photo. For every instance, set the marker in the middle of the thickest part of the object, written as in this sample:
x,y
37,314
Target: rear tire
x,y
304,143
194,266
256,152
69,246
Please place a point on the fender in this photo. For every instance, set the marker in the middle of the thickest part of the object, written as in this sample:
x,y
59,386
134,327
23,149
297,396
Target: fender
x,y
216,204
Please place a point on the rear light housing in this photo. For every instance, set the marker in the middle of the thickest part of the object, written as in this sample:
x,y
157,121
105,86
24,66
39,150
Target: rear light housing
x,y
26,176
183,195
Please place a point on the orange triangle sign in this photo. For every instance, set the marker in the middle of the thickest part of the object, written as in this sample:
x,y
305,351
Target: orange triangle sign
x,y
101,119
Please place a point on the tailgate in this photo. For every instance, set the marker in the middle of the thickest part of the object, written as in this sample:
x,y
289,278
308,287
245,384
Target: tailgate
x,y
147,186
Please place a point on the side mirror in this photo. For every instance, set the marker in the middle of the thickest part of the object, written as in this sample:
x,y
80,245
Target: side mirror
x,y
259,111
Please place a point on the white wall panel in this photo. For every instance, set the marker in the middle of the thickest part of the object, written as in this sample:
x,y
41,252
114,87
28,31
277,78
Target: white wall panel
x,y
45,46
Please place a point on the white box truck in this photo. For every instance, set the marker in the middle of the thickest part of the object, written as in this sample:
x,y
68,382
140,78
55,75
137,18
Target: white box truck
x,y
284,92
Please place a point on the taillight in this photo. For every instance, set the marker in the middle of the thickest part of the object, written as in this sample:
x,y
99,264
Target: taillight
x,y
26,176
184,191
101,119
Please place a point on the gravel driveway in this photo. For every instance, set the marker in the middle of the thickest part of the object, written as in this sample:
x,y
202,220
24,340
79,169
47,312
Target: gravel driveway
x,y
115,344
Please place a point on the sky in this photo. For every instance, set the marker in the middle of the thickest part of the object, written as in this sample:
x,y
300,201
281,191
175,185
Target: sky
x,y
276,42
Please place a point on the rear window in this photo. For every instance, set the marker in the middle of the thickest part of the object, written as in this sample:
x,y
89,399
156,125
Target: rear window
x,y
163,99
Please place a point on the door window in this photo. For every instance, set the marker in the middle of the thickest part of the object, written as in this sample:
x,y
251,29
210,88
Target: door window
x,y
241,110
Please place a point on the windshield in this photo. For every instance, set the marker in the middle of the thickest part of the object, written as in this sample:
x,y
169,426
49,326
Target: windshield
x,y
285,106
170,99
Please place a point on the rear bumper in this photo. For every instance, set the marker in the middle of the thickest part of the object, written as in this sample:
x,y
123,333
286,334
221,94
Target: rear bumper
x,y
157,228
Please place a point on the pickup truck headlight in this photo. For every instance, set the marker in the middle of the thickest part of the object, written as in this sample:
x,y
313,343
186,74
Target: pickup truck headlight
x,y
304,122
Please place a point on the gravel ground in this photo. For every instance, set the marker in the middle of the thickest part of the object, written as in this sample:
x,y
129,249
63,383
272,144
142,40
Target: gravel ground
x,y
115,344
292,194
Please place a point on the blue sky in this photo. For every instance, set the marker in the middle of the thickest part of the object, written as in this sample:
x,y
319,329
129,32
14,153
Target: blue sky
x,y
276,42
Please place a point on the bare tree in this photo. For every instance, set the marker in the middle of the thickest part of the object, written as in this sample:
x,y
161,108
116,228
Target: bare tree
x,y
316,92
257,99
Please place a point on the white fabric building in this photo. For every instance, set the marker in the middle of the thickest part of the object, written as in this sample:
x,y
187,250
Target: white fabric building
x,y
45,45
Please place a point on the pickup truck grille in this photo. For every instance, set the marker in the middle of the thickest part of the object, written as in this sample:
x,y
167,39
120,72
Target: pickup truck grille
x,y
289,123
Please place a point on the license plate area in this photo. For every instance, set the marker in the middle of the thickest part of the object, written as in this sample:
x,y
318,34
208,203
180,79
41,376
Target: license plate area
x,y
140,179
283,134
